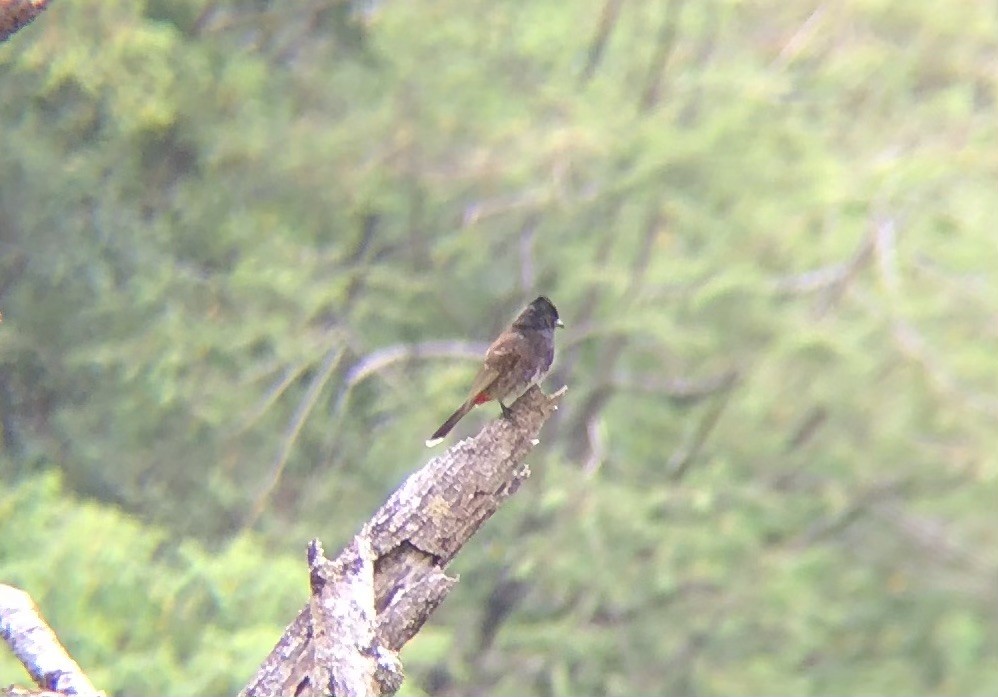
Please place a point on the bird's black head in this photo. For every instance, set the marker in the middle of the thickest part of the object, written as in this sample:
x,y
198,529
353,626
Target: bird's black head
x,y
540,314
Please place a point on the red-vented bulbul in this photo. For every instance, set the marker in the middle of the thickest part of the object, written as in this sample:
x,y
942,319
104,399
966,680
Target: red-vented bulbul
x,y
518,358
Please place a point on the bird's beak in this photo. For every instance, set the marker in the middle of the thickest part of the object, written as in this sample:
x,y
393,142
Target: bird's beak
x,y
559,323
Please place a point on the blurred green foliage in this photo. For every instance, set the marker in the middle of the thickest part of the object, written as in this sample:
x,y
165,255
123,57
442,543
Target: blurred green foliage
x,y
244,248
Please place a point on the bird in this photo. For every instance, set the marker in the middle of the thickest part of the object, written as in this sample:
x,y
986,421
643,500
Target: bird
x,y
518,358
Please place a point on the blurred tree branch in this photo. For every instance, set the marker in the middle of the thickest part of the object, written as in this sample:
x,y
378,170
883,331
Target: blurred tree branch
x,y
830,280
652,92
383,358
329,364
597,47
17,14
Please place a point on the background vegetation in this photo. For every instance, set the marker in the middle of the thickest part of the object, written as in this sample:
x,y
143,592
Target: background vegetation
x,y
249,253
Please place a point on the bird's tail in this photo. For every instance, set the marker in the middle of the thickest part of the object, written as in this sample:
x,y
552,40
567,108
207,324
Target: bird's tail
x,y
451,421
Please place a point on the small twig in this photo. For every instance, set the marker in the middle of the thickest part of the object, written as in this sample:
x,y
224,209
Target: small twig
x,y
885,247
812,281
663,49
795,45
678,390
288,378
831,279
915,347
931,535
681,460
860,506
909,340
293,430
475,213
813,420
976,286
597,447
384,358
597,47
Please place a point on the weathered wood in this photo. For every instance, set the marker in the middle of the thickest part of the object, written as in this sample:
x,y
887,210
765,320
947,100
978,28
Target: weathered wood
x,y
37,648
374,597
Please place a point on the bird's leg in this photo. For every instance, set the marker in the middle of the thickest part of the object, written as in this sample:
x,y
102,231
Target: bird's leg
x,y
506,411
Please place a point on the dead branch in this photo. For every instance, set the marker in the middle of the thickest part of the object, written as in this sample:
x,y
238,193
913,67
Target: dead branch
x,y
17,14
368,602
37,648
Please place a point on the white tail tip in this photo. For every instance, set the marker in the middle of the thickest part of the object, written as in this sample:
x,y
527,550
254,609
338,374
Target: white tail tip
x,y
433,441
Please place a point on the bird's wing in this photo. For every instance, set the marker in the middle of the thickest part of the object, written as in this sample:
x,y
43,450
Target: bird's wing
x,y
502,356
